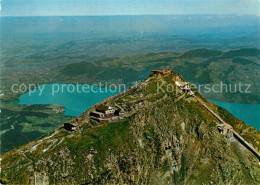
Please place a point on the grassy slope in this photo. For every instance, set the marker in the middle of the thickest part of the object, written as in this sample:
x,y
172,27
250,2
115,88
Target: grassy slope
x,y
211,66
113,152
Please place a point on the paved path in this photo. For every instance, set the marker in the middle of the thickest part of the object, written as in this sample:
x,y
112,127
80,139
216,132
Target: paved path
x,y
246,144
235,134
119,107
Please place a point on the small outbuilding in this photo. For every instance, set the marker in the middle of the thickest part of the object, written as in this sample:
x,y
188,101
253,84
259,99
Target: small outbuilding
x,y
69,126
162,72
185,86
106,110
224,128
97,114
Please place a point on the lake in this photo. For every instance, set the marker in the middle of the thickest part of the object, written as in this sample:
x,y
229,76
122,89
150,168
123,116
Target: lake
x,y
76,103
248,113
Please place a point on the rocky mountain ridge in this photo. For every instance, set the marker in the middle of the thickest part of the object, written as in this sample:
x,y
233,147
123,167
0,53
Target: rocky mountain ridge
x,y
168,137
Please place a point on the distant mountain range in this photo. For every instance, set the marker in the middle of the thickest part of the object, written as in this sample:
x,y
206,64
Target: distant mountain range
x,y
200,66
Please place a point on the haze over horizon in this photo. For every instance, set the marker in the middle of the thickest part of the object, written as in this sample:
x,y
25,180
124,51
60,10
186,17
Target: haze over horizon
x,y
128,7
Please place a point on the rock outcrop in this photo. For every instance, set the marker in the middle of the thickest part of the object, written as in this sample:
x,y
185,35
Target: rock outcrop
x,y
167,138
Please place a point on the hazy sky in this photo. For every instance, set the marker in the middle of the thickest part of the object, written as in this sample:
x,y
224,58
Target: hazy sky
x,y
127,7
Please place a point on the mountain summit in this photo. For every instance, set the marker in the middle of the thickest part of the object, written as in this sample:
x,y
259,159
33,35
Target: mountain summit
x,y
161,131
